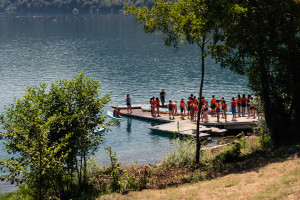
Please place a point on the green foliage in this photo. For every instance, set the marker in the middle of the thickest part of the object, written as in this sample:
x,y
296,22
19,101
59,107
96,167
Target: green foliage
x,y
261,40
262,130
182,153
232,154
116,172
243,140
49,134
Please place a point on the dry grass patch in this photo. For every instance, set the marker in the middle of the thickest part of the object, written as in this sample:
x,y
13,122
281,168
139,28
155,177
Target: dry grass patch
x,y
279,180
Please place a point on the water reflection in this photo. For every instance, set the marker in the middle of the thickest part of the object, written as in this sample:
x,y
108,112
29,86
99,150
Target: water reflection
x,y
128,128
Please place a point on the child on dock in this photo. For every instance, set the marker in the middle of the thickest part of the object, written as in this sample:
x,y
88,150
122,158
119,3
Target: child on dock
x,y
128,103
224,109
193,108
222,100
243,101
213,105
175,108
239,105
153,104
206,112
189,102
182,108
218,105
233,109
157,106
170,106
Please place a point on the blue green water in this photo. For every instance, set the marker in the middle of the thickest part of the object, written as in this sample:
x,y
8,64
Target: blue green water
x,y
113,49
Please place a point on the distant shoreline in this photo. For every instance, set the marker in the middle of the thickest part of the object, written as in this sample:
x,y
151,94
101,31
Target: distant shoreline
x,y
75,7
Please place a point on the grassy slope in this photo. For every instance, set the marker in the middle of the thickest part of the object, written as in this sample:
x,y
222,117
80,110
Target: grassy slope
x,y
279,180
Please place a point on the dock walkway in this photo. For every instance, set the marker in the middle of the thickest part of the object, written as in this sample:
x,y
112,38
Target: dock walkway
x,y
187,127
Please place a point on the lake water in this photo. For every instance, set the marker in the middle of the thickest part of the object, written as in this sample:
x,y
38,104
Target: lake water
x,y
113,49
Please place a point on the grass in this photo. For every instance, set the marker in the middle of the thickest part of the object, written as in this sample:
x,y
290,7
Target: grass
x,y
279,180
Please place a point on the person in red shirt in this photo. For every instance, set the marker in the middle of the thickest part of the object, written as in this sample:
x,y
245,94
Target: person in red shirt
x,y
189,102
174,108
224,109
206,112
233,109
153,105
218,106
182,108
239,105
213,105
157,106
170,106
243,101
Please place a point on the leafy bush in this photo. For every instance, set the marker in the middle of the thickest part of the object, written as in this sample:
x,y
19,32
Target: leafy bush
x,y
51,131
262,130
232,154
182,153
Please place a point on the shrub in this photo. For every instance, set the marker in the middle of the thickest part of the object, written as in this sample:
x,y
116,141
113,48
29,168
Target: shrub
x,y
182,153
262,130
51,131
232,154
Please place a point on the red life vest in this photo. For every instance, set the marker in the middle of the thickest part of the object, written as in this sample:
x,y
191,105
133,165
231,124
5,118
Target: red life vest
x,y
234,104
181,104
213,100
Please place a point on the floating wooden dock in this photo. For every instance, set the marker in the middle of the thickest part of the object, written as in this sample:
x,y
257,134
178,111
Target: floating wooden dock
x,y
188,128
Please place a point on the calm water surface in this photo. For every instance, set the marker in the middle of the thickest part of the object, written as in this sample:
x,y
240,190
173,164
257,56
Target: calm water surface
x,y
114,50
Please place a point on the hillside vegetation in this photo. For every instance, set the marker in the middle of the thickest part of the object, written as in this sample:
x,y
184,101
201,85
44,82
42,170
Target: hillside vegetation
x,y
68,5
278,180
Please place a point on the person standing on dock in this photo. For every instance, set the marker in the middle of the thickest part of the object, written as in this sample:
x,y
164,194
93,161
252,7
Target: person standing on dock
x,y
243,101
189,103
213,105
153,105
182,108
239,105
233,109
170,106
162,96
218,106
206,112
128,103
157,106
224,109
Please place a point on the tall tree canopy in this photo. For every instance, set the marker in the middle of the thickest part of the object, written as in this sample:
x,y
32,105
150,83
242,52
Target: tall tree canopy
x,y
263,42
183,21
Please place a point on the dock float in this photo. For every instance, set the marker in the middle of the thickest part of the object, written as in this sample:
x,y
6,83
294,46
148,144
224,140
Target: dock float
x,y
187,127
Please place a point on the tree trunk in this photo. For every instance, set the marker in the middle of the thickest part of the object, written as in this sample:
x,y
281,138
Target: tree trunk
x,y
198,146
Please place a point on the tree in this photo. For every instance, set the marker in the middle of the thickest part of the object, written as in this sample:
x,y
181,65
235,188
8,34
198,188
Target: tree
x,y
263,43
183,21
50,136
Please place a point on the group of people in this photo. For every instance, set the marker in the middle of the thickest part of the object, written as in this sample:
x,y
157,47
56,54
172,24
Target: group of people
x,y
217,107
238,107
